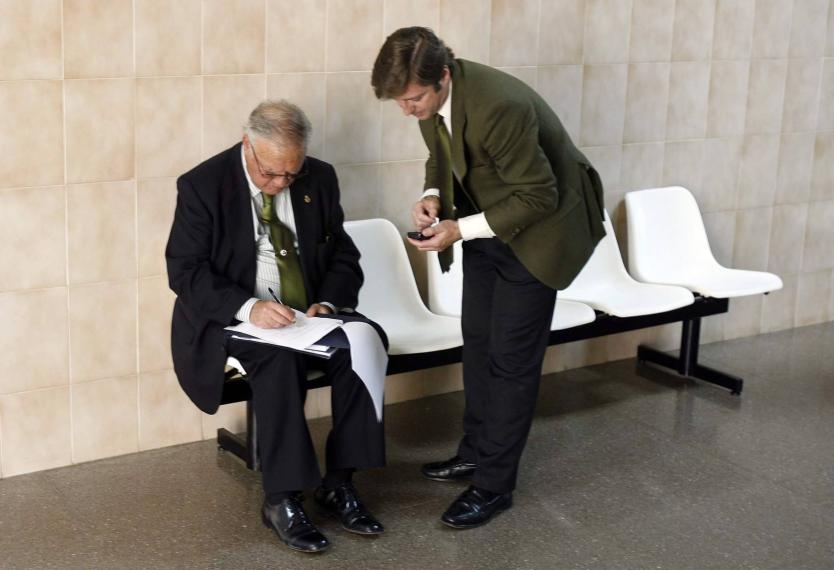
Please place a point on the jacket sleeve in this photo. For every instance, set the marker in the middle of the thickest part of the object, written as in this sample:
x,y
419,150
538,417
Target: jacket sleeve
x,y
512,143
342,277
190,275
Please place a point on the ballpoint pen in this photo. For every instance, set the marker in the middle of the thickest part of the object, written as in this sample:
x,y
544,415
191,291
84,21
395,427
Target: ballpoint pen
x,y
277,300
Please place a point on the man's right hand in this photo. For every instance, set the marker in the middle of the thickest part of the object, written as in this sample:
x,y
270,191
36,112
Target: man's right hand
x,y
425,212
271,315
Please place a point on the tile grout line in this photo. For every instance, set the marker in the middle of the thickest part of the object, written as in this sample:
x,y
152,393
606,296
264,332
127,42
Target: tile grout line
x,y
137,281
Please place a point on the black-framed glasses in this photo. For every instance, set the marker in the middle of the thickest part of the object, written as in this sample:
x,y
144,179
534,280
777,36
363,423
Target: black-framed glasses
x,y
290,177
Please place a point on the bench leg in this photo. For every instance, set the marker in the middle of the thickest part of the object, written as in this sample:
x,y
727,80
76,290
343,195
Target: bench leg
x,y
246,449
686,363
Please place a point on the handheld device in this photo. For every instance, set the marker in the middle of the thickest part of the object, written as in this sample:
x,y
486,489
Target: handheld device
x,y
416,236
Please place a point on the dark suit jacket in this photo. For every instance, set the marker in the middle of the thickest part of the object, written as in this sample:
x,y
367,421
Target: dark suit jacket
x,y
211,261
518,165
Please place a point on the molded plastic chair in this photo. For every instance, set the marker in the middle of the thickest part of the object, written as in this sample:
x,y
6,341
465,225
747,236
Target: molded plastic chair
x,y
445,291
605,285
389,295
667,243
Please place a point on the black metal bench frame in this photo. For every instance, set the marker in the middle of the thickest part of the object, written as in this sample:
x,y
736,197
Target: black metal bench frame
x,y
236,388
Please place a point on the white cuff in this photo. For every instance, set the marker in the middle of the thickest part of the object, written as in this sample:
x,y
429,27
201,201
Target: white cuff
x,y
245,309
431,192
329,306
475,226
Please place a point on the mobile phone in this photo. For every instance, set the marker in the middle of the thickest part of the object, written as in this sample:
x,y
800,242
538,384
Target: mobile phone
x,y
416,236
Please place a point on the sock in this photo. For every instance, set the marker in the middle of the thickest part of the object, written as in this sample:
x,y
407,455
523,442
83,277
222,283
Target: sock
x,y
335,477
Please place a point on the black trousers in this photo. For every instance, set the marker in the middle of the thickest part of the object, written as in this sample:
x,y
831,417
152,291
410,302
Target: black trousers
x,y
278,379
506,316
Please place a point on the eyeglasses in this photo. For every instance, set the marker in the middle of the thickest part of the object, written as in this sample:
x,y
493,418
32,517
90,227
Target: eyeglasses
x,y
290,177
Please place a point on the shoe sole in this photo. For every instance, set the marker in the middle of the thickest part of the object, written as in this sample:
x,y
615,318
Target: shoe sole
x,y
268,525
468,526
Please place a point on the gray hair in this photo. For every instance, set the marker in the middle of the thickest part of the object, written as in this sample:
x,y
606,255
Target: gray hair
x,y
280,122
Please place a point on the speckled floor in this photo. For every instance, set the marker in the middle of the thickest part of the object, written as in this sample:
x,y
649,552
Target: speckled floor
x,y
624,469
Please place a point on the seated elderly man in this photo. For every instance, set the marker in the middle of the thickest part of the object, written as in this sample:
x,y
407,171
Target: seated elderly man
x,y
264,216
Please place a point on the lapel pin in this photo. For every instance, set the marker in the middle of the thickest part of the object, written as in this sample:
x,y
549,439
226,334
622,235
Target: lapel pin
x,y
307,199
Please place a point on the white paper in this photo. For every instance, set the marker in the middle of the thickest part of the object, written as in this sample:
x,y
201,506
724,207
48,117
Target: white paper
x,y
300,335
369,360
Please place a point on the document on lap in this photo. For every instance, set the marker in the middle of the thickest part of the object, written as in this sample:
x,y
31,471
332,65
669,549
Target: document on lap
x,y
306,334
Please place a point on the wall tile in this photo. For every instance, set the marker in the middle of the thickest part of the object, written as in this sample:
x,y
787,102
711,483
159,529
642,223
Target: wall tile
x,y
511,41
721,169
167,41
227,102
359,185
819,237
156,303
796,161
290,25
688,98
733,37
39,319
463,25
401,184
693,30
829,44
233,36
808,27
561,32
405,13
642,166
752,243
99,127
156,200
721,233
42,416
166,415
607,161
652,24
307,90
30,39
101,231
727,98
98,351
88,26
683,164
759,163
812,298
561,87
444,380
32,238
168,127
357,50
33,151
744,318
230,416
401,138
603,104
772,28
801,95
779,307
822,183
786,238
607,31
765,95
403,387
526,74
348,116
825,120
105,418
646,102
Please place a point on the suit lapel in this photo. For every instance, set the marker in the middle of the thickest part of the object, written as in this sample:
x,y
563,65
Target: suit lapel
x,y
458,124
302,211
237,204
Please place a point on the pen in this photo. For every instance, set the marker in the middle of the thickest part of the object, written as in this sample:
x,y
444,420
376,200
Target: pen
x,y
274,296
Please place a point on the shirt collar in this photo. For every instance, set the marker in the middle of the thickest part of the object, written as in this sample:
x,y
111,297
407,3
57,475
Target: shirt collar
x,y
253,190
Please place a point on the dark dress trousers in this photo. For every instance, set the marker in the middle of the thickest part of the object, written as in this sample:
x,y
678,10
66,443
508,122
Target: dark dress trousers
x,y
211,260
514,162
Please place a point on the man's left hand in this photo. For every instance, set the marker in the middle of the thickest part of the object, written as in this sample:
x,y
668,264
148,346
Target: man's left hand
x,y
439,237
317,308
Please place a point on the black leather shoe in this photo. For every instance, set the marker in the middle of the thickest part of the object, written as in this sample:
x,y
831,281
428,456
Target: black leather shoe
x,y
290,523
344,504
475,507
450,470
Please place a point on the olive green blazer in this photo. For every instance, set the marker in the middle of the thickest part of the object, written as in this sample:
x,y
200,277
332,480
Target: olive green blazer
x,y
517,163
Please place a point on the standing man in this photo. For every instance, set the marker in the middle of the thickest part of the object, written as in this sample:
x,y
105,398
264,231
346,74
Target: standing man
x,y
259,217
504,176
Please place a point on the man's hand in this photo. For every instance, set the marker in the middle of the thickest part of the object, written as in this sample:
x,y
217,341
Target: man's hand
x,y
271,315
439,237
425,212
317,308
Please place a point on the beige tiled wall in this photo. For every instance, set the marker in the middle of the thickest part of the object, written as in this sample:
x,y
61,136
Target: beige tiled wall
x,y
103,103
